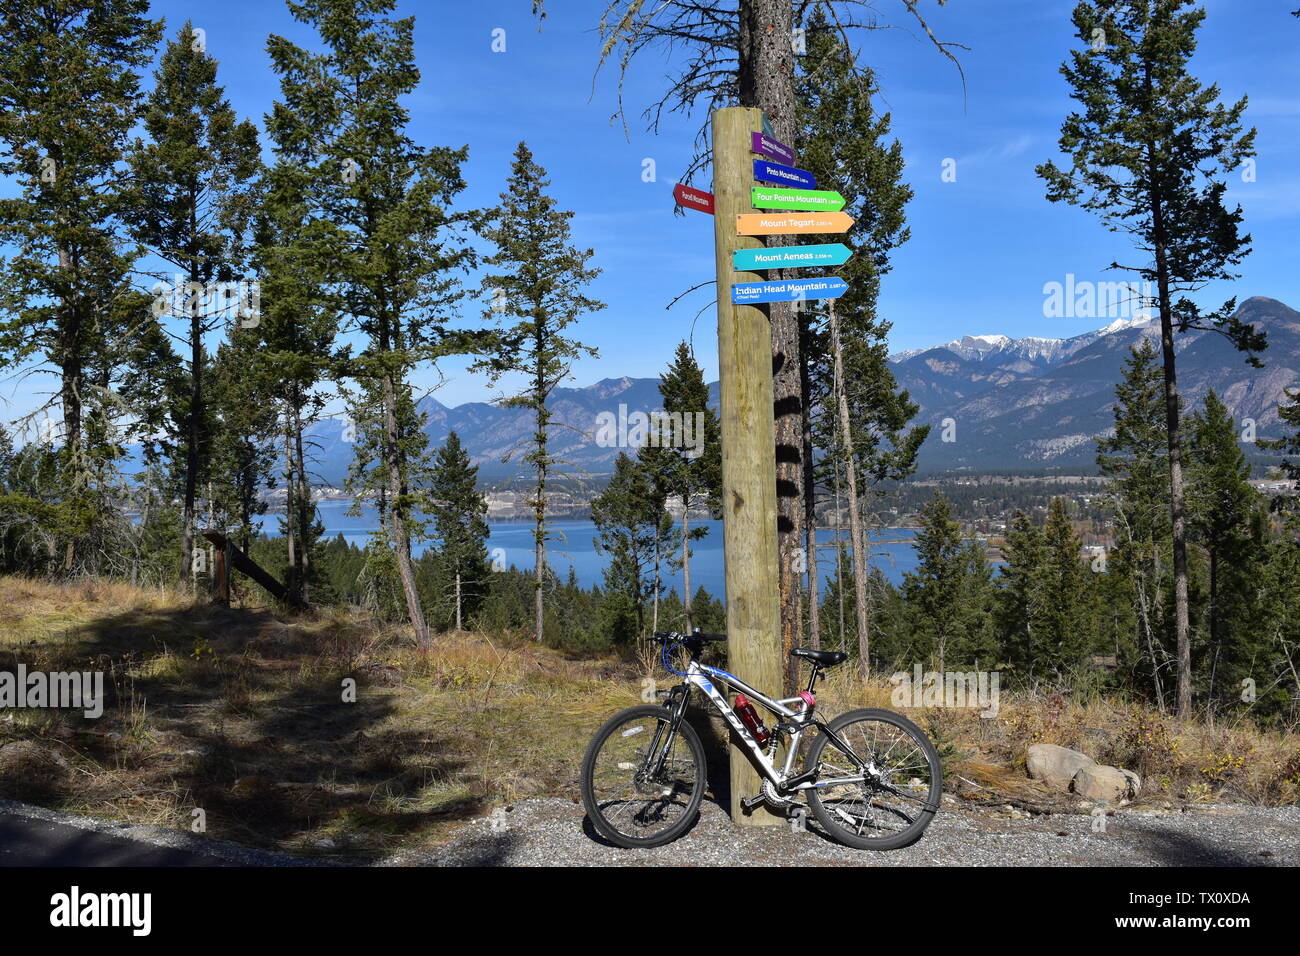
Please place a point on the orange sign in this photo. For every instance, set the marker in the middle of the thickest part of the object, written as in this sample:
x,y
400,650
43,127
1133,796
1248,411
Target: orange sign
x,y
789,223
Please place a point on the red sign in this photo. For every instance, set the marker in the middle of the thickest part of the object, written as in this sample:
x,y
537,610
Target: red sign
x,y
693,198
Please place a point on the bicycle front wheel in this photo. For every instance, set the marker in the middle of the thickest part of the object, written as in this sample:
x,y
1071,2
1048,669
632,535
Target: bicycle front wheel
x,y
633,798
891,781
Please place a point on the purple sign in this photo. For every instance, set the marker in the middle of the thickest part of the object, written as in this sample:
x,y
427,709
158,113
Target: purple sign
x,y
765,145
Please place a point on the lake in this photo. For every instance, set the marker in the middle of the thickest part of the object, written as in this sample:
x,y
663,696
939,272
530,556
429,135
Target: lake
x,y
572,547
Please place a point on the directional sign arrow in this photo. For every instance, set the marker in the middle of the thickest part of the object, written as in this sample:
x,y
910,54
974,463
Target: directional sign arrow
x,y
693,198
765,145
810,199
789,223
770,172
790,257
787,290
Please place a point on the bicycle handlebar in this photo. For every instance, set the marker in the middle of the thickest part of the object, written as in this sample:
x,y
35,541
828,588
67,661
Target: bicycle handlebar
x,y
696,635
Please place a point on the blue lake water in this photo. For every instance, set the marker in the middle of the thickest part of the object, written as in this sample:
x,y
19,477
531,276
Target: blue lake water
x,y
572,546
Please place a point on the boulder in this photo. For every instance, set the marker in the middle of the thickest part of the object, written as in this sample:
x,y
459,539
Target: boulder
x,y
28,767
1099,782
1056,766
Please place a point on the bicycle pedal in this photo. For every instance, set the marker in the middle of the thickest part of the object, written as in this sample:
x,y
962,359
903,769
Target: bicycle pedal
x,y
749,803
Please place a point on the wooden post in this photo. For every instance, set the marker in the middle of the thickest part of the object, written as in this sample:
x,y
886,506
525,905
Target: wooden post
x,y
221,575
748,448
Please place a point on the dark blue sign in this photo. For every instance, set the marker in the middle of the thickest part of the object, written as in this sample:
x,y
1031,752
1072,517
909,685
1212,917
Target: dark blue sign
x,y
769,172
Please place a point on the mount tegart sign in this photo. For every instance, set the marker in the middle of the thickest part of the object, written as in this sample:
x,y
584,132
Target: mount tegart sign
x,y
810,199
785,224
748,293
787,257
770,172
765,145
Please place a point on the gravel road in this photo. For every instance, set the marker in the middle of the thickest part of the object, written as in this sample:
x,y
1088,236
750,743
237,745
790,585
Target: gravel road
x,y
554,832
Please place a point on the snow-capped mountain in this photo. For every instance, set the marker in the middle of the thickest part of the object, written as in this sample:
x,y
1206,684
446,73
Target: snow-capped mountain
x,y
1041,402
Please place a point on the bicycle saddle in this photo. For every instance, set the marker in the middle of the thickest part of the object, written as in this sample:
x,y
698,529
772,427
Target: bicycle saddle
x,y
822,658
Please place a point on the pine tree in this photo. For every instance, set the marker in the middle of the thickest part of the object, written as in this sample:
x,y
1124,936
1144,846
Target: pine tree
x,y
69,96
1221,504
291,350
1150,154
381,224
538,284
1020,598
459,510
949,595
627,514
1135,459
684,457
243,449
192,207
1063,633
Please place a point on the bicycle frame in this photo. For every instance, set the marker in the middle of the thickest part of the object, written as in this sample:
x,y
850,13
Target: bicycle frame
x,y
702,677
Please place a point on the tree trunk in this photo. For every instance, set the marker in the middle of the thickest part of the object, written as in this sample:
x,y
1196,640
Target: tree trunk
x,y
289,491
459,628
70,389
192,443
810,516
303,502
654,613
539,518
398,510
855,519
1214,617
1177,505
686,562
766,80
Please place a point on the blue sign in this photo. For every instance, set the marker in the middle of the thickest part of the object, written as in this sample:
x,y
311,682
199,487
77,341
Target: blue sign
x,y
788,290
790,257
769,172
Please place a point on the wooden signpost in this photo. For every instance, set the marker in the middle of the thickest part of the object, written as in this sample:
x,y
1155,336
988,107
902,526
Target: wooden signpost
x,y
745,373
748,444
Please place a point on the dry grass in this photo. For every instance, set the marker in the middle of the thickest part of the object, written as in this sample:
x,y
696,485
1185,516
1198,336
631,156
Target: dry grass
x,y
250,716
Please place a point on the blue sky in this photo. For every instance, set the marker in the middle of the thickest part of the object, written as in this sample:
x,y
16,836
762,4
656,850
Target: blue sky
x,y
982,247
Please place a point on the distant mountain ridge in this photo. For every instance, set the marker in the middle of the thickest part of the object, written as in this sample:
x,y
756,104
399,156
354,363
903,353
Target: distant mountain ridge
x,y
1040,403
1014,404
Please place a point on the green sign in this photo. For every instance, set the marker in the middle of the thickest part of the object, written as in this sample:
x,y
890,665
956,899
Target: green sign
x,y
809,200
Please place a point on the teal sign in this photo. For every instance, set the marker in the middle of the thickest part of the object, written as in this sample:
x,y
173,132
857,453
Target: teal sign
x,y
790,257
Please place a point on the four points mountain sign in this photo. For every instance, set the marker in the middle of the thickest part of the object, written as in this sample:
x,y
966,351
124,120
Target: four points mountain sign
x,y
765,197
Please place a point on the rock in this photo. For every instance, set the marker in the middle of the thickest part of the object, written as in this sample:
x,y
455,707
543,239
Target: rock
x,y
30,770
1100,782
1134,781
1055,766
27,758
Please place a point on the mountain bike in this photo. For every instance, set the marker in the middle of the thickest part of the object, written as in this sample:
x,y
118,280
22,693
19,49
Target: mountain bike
x,y
870,777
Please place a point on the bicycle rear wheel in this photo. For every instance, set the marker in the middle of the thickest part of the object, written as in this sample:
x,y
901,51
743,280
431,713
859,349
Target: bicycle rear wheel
x,y
898,794
627,802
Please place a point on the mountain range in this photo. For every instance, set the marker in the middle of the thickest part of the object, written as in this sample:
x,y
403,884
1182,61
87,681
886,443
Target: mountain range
x,y
1007,404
